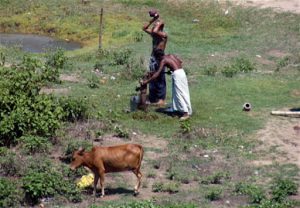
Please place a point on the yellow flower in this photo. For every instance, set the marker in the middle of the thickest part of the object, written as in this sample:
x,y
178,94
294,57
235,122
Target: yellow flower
x,y
86,180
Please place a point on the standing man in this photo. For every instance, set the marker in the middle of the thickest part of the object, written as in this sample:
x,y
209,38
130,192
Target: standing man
x,y
180,90
157,88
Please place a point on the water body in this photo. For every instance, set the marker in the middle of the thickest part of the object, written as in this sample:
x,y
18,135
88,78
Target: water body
x,y
36,43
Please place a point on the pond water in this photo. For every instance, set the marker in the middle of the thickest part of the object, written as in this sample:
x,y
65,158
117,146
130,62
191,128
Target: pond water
x,y
36,43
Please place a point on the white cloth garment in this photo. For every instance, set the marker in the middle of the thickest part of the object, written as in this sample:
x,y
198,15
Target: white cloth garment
x,y
180,92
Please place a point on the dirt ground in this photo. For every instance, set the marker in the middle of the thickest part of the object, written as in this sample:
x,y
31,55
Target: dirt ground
x,y
279,5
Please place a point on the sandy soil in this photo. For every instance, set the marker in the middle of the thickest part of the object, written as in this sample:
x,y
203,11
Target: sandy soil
x,y
279,5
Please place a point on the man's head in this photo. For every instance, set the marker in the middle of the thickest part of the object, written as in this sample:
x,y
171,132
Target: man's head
x,y
158,53
153,13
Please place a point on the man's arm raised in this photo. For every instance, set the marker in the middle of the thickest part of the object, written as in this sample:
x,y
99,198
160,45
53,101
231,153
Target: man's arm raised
x,y
147,25
158,29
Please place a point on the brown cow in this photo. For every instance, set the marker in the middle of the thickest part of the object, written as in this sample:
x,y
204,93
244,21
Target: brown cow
x,y
101,160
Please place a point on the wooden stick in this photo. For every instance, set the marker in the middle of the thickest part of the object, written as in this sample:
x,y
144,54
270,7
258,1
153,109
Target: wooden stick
x,y
100,30
286,113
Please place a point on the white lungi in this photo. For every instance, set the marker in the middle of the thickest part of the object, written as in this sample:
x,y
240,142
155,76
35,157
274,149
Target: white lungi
x,y
180,92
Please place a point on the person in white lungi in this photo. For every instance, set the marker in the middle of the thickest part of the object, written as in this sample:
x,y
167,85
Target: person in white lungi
x,y
180,90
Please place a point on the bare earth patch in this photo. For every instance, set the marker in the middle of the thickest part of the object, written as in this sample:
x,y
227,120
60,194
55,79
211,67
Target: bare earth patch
x,y
69,78
283,134
278,5
47,90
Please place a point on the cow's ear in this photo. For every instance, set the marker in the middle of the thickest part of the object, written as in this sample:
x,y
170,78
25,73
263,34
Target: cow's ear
x,y
81,151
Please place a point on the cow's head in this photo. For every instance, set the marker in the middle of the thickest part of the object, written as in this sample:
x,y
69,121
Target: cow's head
x,y
77,159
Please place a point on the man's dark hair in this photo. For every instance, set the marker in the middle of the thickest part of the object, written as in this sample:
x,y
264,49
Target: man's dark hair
x,y
158,53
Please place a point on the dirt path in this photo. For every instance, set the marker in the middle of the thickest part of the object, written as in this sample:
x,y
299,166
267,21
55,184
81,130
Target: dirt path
x,y
282,135
279,5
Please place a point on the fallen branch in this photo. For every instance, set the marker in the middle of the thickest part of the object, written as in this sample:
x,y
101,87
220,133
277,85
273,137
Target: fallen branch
x,y
286,113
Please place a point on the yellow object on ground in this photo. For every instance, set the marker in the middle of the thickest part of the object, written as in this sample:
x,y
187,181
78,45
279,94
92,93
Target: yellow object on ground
x,y
86,180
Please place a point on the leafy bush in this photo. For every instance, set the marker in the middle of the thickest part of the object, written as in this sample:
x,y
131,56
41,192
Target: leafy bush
x,y
239,65
57,59
255,193
34,144
74,109
75,145
48,184
215,178
11,194
213,194
121,57
122,133
93,82
10,165
171,187
281,188
229,71
23,109
211,70
243,65
2,59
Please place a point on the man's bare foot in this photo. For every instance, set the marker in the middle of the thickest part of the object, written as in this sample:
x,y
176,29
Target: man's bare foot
x,y
184,117
160,103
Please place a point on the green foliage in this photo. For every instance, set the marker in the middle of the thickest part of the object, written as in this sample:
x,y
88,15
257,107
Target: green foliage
x,y
10,164
2,59
122,133
239,65
256,194
75,145
56,59
213,193
185,126
38,184
215,178
145,204
283,62
170,187
138,36
229,71
121,57
23,109
282,188
93,82
34,144
10,193
74,108
211,70
272,204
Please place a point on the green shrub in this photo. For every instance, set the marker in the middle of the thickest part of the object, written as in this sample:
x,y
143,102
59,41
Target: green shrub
x,y
2,59
75,145
282,188
56,59
138,36
74,109
34,144
229,71
122,133
256,194
171,187
10,164
213,194
93,82
211,70
283,62
37,185
215,178
10,193
121,57
243,65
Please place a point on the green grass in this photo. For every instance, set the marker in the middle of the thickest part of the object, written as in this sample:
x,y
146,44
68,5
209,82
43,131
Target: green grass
x,y
218,127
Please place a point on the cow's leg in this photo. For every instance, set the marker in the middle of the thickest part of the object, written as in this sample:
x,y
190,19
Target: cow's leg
x,y
102,183
139,175
96,178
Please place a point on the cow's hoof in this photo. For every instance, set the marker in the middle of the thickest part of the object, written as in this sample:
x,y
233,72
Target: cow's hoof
x,y
135,193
